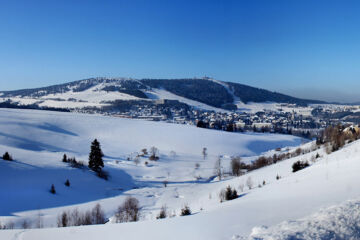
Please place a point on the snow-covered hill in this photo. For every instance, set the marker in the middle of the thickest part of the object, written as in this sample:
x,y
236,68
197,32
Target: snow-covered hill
x,y
204,93
37,140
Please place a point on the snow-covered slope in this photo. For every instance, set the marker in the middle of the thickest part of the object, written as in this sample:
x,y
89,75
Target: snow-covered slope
x,y
200,93
37,140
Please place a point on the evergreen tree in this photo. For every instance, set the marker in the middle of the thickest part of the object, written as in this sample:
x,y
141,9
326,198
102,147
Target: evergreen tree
x,y
67,183
95,157
65,158
7,157
52,189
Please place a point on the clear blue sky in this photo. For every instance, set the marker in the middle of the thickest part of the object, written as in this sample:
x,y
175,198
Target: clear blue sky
x,y
303,47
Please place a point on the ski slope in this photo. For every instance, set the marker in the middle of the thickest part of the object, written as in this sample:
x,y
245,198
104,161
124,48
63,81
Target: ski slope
x,y
37,140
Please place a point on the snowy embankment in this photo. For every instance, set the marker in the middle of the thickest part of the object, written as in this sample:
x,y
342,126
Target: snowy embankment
x,y
337,222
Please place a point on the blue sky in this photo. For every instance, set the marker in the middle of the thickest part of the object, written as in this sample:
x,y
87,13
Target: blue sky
x,y
305,48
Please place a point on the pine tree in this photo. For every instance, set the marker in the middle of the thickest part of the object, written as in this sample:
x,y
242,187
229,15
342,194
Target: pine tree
x,y
65,158
7,157
95,157
67,183
52,189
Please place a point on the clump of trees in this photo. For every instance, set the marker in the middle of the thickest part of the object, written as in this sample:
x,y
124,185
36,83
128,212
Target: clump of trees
x,y
73,162
77,218
299,165
7,157
8,225
228,194
129,211
337,136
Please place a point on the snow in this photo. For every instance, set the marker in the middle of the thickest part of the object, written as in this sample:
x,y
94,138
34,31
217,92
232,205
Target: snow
x,y
336,222
164,94
37,139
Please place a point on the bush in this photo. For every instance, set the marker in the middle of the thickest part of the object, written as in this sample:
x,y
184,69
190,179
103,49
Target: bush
x,y
129,211
185,211
163,213
75,164
144,151
154,154
299,165
7,157
154,158
228,194
261,162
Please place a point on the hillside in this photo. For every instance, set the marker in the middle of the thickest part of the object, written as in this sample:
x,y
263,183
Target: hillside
x,y
204,93
330,181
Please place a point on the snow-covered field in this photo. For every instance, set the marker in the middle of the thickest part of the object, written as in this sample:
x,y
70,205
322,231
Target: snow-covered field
x,y
38,139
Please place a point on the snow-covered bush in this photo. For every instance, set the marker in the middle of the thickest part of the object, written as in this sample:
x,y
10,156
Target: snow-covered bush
x,y
249,183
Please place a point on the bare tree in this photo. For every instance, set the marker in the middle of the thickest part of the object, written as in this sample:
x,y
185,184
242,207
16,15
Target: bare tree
x,y
236,166
26,224
144,151
218,168
63,220
39,221
173,155
136,160
76,218
197,166
249,183
129,211
204,153
98,216
154,154
163,212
